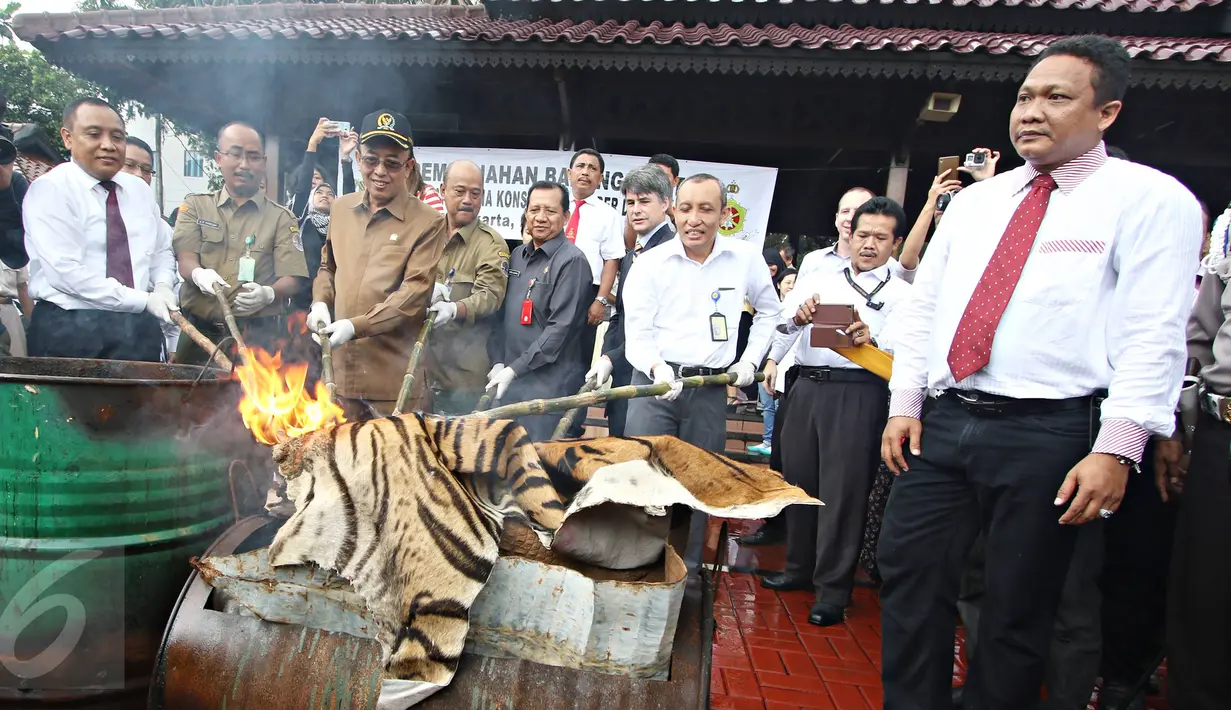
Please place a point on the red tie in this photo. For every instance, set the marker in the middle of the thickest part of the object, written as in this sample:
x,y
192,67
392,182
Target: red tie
x,y
972,343
119,261
570,230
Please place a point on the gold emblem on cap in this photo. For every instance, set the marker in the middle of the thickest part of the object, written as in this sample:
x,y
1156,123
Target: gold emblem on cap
x,y
385,120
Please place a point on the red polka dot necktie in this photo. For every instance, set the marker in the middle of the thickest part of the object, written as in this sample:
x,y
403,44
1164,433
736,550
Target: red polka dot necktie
x,y
570,230
972,343
119,260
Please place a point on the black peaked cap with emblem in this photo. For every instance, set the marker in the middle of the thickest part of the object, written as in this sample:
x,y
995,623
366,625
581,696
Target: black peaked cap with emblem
x,y
386,124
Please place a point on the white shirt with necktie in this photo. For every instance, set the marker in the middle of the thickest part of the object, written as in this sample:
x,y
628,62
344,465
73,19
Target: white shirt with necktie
x,y
828,260
832,288
65,219
1101,302
669,301
600,233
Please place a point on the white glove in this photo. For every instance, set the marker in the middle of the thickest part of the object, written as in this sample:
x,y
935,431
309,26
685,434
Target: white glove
x,y
601,371
500,380
662,373
495,368
745,373
440,292
161,302
251,298
318,317
207,280
340,333
445,312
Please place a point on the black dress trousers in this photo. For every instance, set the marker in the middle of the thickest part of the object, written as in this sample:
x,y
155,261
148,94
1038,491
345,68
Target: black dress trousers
x,y
90,334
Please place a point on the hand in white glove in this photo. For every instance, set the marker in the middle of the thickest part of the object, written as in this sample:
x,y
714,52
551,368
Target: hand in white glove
x,y
745,373
662,373
340,333
318,317
251,298
208,280
500,381
445,312
601,371
440,292
161,302
495,368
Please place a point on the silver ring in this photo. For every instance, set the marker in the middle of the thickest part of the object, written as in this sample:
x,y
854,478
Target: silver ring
x,y
1104,513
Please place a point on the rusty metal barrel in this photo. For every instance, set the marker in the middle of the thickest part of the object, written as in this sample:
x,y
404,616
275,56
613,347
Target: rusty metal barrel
x,y
112,475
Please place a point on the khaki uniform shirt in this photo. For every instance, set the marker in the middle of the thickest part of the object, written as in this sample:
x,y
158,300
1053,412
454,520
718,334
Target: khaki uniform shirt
x,y
378,271
212,226
479,259
1209,333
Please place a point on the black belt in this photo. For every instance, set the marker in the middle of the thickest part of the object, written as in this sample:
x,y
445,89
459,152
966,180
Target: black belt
x,y
994,405
839,374
695,371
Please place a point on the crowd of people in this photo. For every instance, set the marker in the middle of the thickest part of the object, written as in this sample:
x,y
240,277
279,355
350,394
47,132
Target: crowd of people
x,y
1039,354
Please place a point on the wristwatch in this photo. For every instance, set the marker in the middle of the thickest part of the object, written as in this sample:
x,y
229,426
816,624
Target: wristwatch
x,y
1126,461
603,300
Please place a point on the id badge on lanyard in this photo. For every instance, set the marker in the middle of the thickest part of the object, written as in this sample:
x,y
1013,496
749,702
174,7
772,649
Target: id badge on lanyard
x,y
527,306
718,322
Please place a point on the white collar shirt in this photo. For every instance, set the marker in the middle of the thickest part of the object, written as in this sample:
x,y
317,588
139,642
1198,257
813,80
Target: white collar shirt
x,y
1101,302
827,259
65,219
600,233
832,288
668,304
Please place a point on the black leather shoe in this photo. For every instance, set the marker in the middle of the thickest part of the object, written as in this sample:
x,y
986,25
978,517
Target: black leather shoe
x,y
783,582
957,696
1113,696
825,615
762,537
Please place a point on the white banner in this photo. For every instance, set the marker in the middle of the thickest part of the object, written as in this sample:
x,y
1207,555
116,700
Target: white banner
x,y
509,173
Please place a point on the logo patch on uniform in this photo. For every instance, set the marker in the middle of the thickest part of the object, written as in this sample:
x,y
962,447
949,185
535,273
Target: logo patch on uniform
x,y
504,267
184,207
296,239
204,222
393,237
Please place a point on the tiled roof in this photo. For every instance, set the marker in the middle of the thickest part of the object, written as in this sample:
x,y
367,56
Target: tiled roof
x,y
32,167
1105,5
471,24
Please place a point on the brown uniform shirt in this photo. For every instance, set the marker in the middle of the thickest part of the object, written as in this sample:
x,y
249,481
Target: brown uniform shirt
x,y
479,259
378,270
212,226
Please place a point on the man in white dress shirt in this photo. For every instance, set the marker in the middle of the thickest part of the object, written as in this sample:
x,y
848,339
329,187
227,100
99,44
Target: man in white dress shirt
x,y
598,231
101,264
838,257
682,305
1049,317
831,430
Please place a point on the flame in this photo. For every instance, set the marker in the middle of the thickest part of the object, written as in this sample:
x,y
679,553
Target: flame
x,y
276,405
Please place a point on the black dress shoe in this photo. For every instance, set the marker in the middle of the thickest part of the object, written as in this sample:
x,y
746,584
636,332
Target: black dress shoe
x,y
825,615
1113,696
783,582
762,537
957,696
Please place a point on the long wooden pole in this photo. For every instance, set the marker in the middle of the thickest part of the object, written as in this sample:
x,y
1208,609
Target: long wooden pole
x,y
327,365
425,333
229,317
589,399
203,342
567,420
485,401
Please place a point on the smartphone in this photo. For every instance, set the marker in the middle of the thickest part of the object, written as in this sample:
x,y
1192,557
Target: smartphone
x,y
340,128
976,160
946,164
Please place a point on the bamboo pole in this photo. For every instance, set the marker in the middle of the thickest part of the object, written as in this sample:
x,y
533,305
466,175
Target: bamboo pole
x,y
870,358
203,342
571,415
589,399
425,333
484,402
327,365
229,317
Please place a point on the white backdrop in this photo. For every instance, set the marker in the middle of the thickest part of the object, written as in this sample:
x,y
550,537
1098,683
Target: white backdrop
x,y
509,173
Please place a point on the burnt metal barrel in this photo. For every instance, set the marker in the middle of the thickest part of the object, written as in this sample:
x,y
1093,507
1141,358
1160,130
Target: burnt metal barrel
x,y
112,475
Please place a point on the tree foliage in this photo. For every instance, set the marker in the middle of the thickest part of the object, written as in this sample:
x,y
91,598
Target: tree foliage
x,y
37,91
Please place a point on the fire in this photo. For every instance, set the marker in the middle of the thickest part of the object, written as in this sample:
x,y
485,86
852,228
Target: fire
x,y
276,405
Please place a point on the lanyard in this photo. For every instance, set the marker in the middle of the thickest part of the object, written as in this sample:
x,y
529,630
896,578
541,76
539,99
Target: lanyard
x,y
871,304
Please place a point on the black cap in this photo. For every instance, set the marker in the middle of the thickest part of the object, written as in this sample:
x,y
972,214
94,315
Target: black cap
x,y
386,124
8,152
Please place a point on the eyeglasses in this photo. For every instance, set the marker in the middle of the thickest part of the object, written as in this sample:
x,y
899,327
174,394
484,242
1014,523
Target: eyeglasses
x,y
238,155
146,170
371,162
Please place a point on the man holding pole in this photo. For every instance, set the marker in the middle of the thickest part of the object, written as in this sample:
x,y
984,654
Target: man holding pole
x,y
682,305
377,270
478,258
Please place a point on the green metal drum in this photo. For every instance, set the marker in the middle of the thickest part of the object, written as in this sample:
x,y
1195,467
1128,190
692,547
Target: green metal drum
x,y
112,475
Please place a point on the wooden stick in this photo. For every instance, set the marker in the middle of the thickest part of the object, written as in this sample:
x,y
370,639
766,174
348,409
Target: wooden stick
x,y
327,365
589,399
229,317
408,381
870,358
484,402
203,342
569,417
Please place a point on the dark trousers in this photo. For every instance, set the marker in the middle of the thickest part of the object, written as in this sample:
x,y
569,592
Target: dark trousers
x,y
1199,599
99,335
996,474
1134,584
831,444
617,409
698,416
